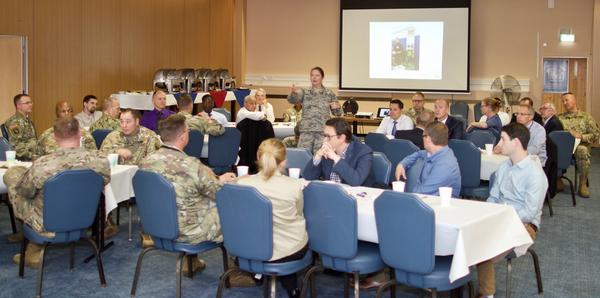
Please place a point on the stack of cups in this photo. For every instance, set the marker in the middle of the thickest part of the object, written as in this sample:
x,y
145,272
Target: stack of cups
x,y
445,195
113,160
242,171
11,158
398,186
294,173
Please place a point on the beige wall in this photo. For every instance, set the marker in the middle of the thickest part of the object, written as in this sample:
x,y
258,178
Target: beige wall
x,y
103,46
285,38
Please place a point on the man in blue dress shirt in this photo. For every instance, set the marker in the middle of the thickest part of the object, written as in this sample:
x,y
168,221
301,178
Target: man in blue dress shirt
x,y
520,182
440,168
150,119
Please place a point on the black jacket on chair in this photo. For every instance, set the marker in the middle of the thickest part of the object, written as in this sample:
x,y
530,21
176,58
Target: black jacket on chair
x,y
456,128
551,166
553,124
414,135
253,133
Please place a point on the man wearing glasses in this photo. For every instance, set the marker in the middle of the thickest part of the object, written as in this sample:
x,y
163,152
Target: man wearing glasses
x,y
537,133
440,168
340,158
418,101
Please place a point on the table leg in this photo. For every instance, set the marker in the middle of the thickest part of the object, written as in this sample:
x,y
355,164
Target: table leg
x,y
98,229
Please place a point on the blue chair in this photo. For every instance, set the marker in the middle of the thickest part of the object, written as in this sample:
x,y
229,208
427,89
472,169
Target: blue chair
x,y
460,108
564,144
469,162
5,146
157,208
223,150
331,222
70,203
225,112
99,136
194,146
4,131
477,111
298,158
381,169
481,137
396,150
406,231
247,225
376,141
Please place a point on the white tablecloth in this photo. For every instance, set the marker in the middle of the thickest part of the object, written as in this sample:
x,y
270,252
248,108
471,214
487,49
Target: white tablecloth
x,y
3,169
118,190
490,163
120,187
472,231
138,101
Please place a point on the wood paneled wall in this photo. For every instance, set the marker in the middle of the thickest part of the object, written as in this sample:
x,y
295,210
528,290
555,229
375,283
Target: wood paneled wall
x,y
103,46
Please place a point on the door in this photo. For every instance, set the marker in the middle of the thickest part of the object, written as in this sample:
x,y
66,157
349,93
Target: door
x,y
576,82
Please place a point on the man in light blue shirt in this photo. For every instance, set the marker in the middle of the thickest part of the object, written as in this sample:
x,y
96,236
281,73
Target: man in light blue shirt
x,y
520,182
440,168
537,139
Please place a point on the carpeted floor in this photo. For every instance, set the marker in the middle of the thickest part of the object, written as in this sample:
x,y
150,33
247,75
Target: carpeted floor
x,y
567,244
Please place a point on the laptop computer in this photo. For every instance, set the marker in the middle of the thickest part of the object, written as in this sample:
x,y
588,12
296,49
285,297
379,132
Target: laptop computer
x,y
383,112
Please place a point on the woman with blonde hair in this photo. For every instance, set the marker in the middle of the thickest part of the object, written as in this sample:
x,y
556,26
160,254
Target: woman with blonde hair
x,y
290,240
263,106
489,108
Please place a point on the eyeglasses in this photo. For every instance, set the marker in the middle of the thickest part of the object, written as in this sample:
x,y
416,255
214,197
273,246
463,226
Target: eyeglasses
x,y
326,136
523,114
424,136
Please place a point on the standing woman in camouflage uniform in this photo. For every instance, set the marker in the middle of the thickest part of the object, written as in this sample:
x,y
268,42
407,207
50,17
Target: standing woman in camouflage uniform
x,y
318,103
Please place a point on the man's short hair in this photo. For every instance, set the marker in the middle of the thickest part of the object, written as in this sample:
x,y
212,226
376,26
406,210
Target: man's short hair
x,y
425,117
89,97
135,113
519,131
419,93
341,127
185,100
206,97
530,109
445,100
438,133
107,103
17,98
566,93
249,99
65,128
550,105
527,99
171,127
398,102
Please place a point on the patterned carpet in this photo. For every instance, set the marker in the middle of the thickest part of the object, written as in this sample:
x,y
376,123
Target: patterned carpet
x,y
567,244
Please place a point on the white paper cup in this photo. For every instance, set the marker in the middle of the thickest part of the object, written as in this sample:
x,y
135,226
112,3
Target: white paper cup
x,y
294,173
445,195
489,149
242,171
398,186
113,160
11,157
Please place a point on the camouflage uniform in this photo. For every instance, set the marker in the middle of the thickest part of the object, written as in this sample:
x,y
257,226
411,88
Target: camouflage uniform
x,y
584,124
287,115
290,142
25,185
22,137
198,123
47,142
413,114
105,122
140,143
316,111
195,187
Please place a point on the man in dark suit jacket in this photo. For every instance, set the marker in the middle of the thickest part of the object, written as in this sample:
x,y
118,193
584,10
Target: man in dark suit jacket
x,y
340,158
415,135
456,127
551,122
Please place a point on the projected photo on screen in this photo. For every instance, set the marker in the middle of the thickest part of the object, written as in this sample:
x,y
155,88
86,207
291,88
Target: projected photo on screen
x,y
406,50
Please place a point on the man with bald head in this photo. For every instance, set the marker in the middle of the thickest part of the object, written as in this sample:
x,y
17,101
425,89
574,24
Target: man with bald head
x,y
110,115
47,141
150,118
582,126
456,128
